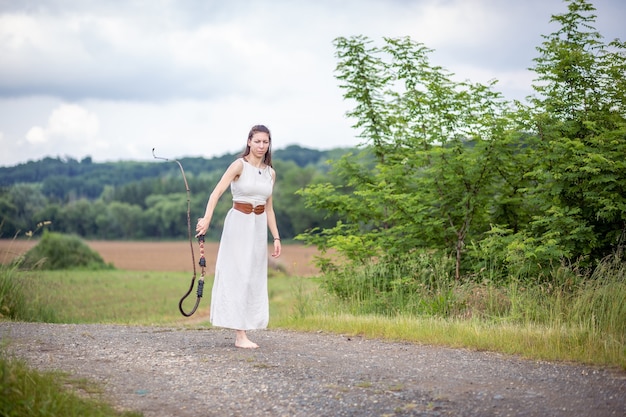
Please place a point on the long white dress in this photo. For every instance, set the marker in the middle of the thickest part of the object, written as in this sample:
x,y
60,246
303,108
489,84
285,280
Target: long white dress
x,y
239,297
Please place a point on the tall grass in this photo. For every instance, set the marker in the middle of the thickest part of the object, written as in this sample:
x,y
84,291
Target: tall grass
x,y
576,317
413,286
600,302
20,299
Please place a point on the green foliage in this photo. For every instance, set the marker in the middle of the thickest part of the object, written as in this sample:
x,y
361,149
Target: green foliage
x,y
579,117
25,392
515,189
426,172
18,205
503,255
57,251
291,214
120,220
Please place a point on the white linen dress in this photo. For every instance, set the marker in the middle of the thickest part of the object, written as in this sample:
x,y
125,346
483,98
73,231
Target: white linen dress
x,y
239,298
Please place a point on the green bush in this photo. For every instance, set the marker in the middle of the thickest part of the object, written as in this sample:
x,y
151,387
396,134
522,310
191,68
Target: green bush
x,y
58,251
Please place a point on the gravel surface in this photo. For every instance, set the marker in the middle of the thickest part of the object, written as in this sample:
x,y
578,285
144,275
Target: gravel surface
x,y
184,372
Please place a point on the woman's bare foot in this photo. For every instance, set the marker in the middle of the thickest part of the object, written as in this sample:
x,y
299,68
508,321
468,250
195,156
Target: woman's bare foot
x,y
242,341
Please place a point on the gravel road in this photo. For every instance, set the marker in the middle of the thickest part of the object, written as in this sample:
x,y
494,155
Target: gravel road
x,y
184,372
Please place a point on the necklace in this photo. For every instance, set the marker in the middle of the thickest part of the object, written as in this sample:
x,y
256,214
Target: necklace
x,y
257,167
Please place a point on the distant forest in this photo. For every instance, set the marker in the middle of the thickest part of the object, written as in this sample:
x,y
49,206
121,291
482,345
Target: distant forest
x,y
145,200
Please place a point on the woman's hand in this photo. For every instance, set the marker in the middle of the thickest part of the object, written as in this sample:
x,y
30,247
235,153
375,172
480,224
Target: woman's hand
x,y
277,248
201,227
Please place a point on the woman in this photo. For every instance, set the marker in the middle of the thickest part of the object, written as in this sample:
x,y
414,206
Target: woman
x,y
239,298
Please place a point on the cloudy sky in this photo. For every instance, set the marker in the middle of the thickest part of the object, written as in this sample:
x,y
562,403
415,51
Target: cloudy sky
x,y
112,79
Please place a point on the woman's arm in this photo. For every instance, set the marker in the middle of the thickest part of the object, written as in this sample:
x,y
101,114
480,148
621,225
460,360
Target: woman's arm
x,y
271,222
232,173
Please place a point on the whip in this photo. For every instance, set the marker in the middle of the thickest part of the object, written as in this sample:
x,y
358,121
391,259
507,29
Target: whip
x,y
202,261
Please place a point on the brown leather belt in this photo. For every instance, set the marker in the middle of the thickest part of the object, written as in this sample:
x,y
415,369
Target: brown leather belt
x,y
247,208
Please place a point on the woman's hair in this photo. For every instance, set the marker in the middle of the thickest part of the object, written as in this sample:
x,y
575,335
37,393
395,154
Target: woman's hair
x,y
267,159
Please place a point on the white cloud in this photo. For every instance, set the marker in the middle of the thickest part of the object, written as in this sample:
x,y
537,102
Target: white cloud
x,y
67,123
36,135
73,122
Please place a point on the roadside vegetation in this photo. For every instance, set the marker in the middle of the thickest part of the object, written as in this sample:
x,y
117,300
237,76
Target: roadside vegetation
x,y
503,222
464,220
24,392
580,320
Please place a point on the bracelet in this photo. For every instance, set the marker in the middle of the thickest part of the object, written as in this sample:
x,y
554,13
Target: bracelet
x,y
276,238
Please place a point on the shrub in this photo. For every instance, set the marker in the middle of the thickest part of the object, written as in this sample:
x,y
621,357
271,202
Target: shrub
x,y
58,251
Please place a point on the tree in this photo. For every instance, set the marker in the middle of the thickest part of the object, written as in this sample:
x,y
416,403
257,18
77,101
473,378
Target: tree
x,y
167,215
292,215
578,115
19,205
425,178
79,218
120,220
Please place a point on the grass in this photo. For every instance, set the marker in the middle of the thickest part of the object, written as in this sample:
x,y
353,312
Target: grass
x,y
530,341
114,296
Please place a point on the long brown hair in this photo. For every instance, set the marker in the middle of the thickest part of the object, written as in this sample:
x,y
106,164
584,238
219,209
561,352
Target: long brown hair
x,y
267,158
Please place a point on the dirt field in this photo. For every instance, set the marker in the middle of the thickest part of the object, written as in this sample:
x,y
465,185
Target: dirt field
x,y
169,256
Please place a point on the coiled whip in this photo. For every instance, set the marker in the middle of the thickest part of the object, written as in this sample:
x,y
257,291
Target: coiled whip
x,y
202,261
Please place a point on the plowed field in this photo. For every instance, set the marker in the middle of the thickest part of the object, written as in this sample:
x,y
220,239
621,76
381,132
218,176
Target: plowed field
x,y
169,256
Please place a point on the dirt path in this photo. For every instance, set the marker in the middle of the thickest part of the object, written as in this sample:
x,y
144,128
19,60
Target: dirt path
x,y
183,372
